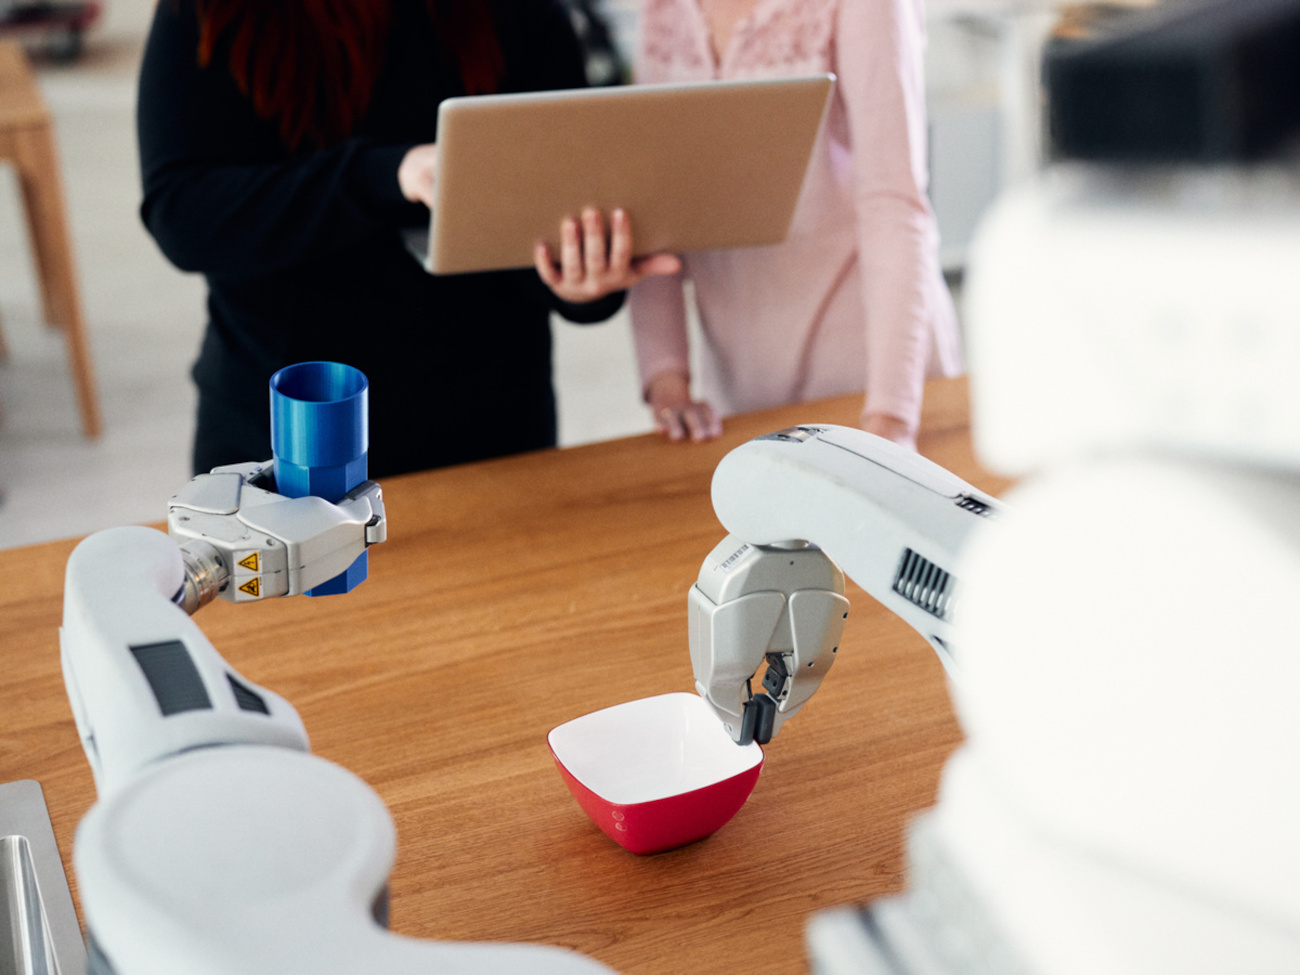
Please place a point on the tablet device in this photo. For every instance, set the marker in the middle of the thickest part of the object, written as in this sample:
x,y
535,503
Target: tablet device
x,y
696,166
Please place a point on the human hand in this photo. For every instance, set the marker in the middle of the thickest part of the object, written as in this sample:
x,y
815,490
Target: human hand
x,y
677,416
592,267
417,174
891,428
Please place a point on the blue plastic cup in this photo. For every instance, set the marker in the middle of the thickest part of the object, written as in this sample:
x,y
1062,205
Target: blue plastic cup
x,y
320,436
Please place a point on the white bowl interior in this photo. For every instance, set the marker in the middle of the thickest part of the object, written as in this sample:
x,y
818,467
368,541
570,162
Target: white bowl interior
x,y
650,749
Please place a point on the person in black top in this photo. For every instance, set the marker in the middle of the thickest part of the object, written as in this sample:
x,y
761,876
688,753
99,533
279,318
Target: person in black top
x,y
284,146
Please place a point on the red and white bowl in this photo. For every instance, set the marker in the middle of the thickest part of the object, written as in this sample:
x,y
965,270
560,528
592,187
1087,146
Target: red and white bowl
x,y
656,773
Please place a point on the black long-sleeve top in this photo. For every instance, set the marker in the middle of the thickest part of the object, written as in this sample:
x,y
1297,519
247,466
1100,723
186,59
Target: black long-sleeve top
x,y
304,260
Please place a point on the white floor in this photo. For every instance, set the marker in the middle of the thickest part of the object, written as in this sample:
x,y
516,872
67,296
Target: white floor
x,y
145,320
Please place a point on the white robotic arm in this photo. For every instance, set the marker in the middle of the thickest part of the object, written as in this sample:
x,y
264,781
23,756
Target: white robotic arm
x,y
793,501
144,682
219,845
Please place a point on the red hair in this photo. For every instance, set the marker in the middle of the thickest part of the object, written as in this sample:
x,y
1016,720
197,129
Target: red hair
x,y
310,65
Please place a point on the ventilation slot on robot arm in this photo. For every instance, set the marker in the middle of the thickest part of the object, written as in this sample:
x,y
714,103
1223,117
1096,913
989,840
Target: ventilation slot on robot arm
x,y
924,584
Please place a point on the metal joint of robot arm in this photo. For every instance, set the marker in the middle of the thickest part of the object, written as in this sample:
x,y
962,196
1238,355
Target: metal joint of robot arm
x,y
263,544
781,603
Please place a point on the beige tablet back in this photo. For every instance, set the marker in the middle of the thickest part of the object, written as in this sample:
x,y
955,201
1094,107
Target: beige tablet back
x,y
696,166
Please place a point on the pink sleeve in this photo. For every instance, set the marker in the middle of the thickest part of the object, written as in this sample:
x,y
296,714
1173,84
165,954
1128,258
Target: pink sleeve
x,y
879,50
657,304
658,309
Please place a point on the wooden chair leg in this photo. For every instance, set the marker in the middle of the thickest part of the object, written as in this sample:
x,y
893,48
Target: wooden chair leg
x,y
27,141
42,190
37,162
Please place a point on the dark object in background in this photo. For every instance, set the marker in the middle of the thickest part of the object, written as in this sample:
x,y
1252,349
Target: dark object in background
x,y
605,65
1192,82
55,28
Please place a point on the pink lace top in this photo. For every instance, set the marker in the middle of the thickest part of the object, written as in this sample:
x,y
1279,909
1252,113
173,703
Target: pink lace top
x,y
854,298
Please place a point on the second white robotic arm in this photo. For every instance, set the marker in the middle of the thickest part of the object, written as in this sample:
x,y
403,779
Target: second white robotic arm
x,y
794,501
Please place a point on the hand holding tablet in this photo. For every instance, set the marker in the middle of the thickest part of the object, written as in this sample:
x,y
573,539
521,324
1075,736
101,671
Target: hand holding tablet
x,y
418,174
591,266
591,263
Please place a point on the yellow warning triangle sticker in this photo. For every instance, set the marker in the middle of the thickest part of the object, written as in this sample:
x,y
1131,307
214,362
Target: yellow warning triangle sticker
x,y
253,587
250,563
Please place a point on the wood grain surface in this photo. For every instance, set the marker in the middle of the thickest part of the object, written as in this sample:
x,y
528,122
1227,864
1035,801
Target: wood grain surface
x,y
512,596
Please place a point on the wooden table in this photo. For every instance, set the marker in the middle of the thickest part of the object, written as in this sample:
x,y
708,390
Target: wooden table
x,y
512,596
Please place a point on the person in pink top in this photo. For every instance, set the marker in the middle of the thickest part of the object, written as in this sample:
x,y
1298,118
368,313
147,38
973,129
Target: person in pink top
x,y
854,298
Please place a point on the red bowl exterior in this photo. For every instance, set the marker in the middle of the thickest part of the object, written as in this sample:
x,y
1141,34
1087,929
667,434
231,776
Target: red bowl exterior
x,y
665,824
